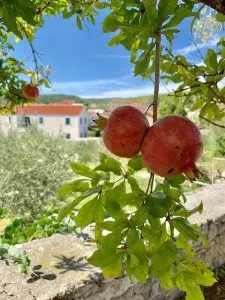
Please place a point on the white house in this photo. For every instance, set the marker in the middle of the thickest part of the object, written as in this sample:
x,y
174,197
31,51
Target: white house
x,y
93,115
70,120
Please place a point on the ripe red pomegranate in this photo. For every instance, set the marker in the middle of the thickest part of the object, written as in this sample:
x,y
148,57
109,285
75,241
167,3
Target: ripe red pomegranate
x,y
30,91
172,146
124,131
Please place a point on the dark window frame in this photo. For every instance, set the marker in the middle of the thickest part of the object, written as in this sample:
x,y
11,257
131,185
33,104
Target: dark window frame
x,y
67,121
68,136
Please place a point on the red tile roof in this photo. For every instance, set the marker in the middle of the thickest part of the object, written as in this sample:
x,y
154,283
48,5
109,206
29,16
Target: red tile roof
x,y
54,109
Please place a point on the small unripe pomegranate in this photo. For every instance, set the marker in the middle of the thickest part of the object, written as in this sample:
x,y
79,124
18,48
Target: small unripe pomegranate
x,y
124,131
171,146
30,91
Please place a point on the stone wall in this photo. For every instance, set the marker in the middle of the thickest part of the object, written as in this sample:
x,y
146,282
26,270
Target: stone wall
x,y
62,273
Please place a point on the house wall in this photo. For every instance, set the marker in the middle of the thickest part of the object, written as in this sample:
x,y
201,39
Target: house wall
x,y
56,124
52,124
7,122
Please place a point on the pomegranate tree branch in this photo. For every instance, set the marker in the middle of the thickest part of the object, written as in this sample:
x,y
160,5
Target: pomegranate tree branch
x,y
156,97
211,122
218,5
31,46
157,76
34,52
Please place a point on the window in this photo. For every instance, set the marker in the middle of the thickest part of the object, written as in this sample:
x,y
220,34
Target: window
x,y
10,119
27,121
85,121
81,135
67,121
85,134
80,121
41,120
68,136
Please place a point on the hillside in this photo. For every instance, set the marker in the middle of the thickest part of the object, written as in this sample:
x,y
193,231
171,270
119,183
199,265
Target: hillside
x,y
99,102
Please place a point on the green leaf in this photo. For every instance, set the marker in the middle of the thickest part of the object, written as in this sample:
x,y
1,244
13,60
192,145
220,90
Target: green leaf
x,y
10,11
111,200
176,180
182,243
130,199
102,258
92,191
198,209
142,64
180,14
155,236
75,186
90,212
170,34
83,170
27,10
136,163
114,270
211,60
111,241
153,23
187,284
163,258
117,225
166,8
185,228
159,205
140,216
68,208
135,186
112,22
79,22
220,17
137,248
109,164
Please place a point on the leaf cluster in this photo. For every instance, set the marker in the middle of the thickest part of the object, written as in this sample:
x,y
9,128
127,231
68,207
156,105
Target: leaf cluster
x,y
20,231
138,234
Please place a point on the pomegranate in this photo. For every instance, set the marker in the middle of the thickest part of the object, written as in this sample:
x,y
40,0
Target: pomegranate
x,y
172,146
30,91
124,131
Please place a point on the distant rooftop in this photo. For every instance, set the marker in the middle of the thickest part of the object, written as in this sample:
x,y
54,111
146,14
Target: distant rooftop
x,y
65,107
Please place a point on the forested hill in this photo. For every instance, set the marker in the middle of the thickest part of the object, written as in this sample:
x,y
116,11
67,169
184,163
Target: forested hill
x,y
58,97
168,104
99,102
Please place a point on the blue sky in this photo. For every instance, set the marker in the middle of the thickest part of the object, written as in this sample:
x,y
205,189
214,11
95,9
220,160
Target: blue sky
x,y
83,65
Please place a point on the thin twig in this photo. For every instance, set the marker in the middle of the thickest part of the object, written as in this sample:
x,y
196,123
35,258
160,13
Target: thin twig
x,y
149,184
150,105
34,53
211,122
219,97
41,9
31,46
152,183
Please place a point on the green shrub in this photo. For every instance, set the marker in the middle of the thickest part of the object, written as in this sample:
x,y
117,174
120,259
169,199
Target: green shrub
x,y
34,165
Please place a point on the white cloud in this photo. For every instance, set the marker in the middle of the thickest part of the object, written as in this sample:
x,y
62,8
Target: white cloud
x,y
124,86
194,48
78,87
132,92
